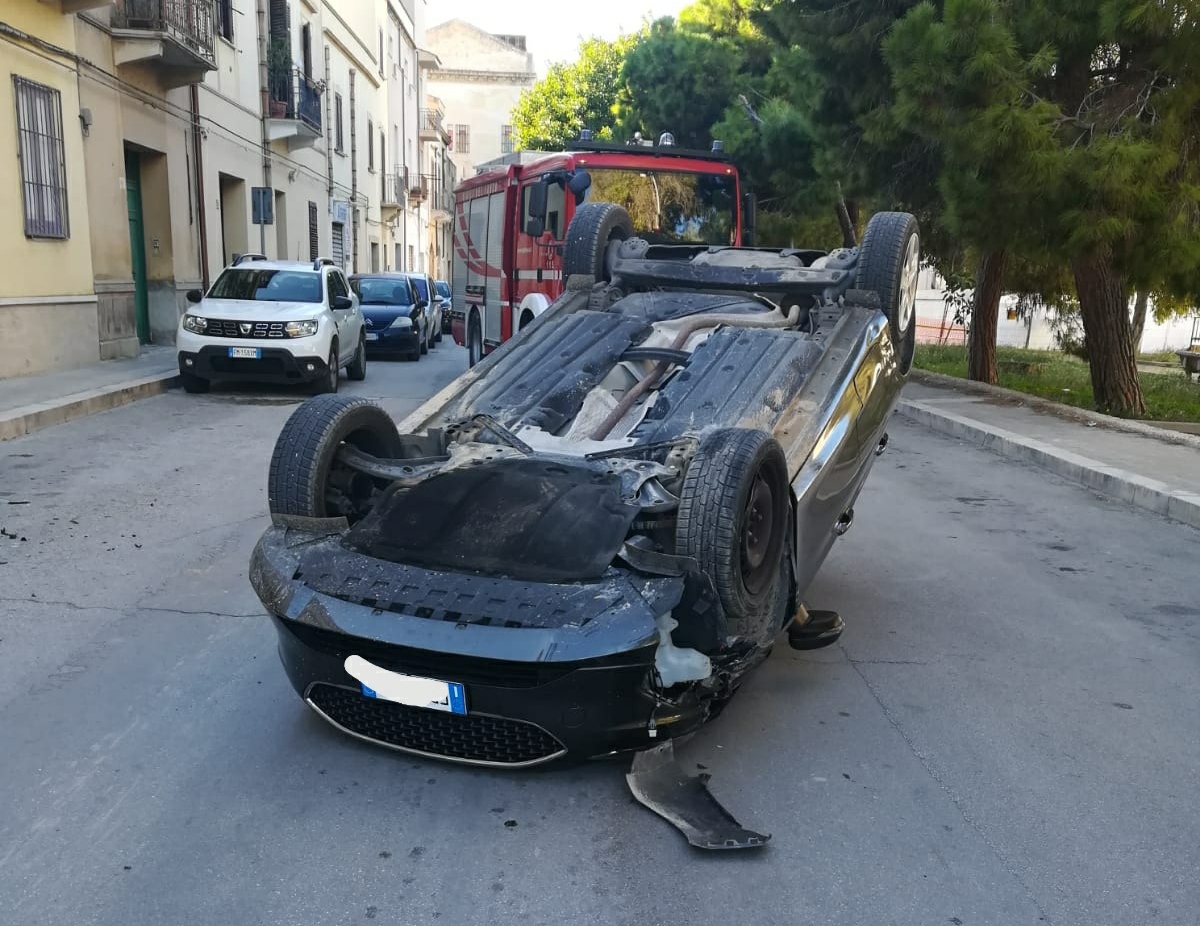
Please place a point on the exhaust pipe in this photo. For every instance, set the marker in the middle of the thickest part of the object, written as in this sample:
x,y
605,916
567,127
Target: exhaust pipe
x,y
844,522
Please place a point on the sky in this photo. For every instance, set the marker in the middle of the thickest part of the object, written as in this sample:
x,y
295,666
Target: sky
x,y
554,30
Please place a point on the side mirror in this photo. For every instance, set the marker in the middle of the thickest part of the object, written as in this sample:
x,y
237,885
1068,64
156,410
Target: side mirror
x,y
537,209
194,295
579,183
343,302
749,218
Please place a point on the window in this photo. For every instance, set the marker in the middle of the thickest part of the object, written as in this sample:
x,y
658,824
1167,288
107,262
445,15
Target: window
x,y
247,285
506,139
337,285
380,52
370,145
306,48
225,19
42,159
338,138
462,139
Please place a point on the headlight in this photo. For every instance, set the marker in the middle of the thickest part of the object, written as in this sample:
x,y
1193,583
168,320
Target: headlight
x,y
303,329
196,324
402,321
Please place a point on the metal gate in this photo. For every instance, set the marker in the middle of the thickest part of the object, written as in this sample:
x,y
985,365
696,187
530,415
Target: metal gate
x,y
339,245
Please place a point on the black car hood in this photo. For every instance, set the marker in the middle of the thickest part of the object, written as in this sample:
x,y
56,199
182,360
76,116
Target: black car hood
x,y
524,518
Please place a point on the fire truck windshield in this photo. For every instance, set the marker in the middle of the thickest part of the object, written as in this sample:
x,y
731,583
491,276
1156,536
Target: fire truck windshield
x,y
671,207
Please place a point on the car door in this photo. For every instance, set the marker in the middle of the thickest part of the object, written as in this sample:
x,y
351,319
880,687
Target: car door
x,y
343,319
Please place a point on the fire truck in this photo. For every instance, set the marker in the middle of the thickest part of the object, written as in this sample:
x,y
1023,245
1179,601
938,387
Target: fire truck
x,y
511,219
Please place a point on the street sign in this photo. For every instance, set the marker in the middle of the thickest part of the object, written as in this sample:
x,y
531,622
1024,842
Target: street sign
x,y
262,200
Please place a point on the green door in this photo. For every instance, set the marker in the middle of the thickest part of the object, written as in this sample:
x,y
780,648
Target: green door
x,y
137,245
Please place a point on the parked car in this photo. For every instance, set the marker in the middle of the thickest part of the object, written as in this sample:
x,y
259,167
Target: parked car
x,y
427,291
395,316
277,321
443,291
584,544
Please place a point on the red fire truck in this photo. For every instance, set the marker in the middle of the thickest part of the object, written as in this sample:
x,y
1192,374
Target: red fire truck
x,y
510,221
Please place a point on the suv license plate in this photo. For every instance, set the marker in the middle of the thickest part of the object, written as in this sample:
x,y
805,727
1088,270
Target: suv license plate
x,y
252,353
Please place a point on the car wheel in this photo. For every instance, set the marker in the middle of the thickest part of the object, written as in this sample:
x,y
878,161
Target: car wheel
x,y
306,479
733,519
474,341
196,385
328,382
889,263
357,370
593,236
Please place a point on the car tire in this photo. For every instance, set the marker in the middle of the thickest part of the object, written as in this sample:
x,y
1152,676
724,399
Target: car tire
x,y
593,236
357,370
889,264
733,519
328,383
299,484
196,385
474,341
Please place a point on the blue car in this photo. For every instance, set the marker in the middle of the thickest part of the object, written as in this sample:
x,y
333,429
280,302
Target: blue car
x,y
394,314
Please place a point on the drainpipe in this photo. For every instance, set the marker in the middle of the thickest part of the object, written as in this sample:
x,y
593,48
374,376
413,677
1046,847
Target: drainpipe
x,y
201,212
264,111
353,181
404,164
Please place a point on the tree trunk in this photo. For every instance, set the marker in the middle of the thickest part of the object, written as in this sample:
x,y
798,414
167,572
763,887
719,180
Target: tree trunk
x,y
1139,320
985,318
1104,307
849,238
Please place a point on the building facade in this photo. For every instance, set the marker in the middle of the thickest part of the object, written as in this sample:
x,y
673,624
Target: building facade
x,y
159,138
480,79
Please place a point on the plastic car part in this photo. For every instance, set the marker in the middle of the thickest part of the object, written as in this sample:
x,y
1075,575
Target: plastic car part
x,y
676,664
660,784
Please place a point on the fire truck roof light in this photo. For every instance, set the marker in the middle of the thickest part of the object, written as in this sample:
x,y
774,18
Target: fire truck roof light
x,y
666,138
718,145
585,134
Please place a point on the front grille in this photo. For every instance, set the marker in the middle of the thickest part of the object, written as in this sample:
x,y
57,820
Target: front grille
x,y
493,673
232,328
465,737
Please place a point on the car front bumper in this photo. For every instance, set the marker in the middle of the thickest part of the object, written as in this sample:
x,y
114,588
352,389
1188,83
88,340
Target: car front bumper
x,y
393,340
534,694
273,365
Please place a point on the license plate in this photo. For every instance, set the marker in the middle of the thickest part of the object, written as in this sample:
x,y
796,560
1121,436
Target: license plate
x,y
414,691
372,337
250,353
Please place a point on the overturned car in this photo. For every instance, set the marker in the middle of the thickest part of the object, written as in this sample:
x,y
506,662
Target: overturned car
x,y
583,544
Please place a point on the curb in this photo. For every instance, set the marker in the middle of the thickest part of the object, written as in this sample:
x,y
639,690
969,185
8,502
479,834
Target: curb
x,y
1048,407
26,419
1119,484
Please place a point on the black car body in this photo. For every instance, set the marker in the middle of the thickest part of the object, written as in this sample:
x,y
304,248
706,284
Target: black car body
x,y
394,315
442,288
582,545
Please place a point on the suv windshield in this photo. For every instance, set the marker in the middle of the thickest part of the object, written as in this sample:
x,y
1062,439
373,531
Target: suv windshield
x,y
383,291
443,288
250,285
671,207
422,286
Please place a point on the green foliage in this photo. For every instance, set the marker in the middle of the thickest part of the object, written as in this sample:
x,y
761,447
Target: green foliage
x,y
572,97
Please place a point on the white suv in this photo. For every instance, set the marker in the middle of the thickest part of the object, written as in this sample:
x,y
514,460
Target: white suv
x,y
281,321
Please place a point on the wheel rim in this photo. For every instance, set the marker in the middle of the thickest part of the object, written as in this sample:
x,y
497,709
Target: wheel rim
x,y
909,277
757,534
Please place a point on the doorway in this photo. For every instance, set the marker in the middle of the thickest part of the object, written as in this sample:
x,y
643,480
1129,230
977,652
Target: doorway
x,y
234,217
281,227
137,245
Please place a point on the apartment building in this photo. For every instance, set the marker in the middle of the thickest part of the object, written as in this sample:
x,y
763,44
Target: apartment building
x,y
159,138
479,78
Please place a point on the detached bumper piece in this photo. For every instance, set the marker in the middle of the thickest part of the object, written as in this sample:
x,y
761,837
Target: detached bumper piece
x,y
475,738
273,365
684,801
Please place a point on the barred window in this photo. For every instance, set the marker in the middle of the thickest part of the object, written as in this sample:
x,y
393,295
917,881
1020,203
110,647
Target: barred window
x,y
462,139
43,164
506,139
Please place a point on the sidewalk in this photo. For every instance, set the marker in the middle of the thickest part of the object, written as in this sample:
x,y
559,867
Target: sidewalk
x,y
30,403
1132,462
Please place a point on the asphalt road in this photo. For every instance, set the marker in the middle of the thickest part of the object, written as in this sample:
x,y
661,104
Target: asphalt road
x,y
1007,734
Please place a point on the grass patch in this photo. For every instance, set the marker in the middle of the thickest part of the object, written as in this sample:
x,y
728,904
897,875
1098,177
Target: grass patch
x,y
1063,378
1162,356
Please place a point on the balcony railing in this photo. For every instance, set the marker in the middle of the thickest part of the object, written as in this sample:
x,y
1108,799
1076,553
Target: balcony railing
x,y
187,22
432,123
395,186
294,95
438,194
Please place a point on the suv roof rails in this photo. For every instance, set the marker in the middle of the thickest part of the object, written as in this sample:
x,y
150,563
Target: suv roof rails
x,y
240,258
323,262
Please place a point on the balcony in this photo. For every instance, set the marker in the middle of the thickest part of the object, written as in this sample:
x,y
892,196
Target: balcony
x,y
431,126
173,37
394,192
439,196
294,109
